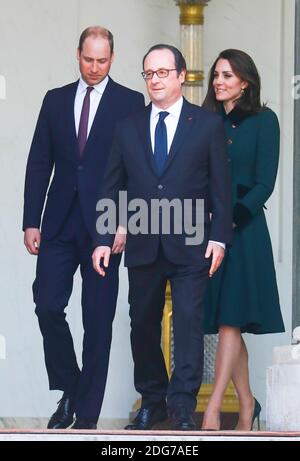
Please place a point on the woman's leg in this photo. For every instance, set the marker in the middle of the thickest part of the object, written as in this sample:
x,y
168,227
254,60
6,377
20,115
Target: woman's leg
x,y
227,357
240,378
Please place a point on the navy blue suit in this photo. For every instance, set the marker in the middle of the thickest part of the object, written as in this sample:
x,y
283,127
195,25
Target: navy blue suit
x,y
66,238
196,168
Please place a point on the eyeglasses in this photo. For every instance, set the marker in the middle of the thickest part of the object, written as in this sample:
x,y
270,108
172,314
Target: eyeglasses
x,y
161,73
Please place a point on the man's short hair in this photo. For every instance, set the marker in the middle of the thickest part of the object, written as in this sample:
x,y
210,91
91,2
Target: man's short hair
x,y
180,63
96,31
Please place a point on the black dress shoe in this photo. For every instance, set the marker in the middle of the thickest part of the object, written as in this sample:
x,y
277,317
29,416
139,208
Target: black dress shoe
x,y
63,417
147,417
182,418
84,424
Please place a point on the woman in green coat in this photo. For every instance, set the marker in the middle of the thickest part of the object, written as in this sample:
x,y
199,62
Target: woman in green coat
x,y
242,296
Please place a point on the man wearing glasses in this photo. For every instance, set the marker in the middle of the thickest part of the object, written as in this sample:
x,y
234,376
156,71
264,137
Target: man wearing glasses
x,y
173,150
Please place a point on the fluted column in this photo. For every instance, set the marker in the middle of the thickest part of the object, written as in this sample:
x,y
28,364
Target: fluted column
x,y
191,33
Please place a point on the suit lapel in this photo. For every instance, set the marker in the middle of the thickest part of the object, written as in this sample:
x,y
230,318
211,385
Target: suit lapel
x,y
143,126
185,123
70,119
102,116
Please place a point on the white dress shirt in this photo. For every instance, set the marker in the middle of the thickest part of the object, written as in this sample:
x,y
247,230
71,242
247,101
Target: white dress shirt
x,y
95,98
171,122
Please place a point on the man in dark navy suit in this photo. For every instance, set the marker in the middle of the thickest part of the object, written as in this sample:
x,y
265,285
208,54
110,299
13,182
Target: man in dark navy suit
x,y
173,151
73,135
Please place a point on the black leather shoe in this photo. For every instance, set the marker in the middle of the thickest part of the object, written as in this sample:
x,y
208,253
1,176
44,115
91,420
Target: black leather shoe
x,y
146,418
63,417
84,424
182,418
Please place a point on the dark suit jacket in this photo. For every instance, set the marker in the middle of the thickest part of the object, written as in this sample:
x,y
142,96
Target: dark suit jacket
x,y
197,168
55,144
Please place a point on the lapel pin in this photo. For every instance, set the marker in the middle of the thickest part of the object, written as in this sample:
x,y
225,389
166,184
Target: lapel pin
x,y
190,118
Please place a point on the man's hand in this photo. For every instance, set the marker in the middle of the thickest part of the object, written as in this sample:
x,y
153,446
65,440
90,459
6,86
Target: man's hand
x,y
99,254
32,240
120,241
217,253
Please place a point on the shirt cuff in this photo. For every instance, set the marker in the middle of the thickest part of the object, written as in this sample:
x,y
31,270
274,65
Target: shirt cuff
x,y
218,243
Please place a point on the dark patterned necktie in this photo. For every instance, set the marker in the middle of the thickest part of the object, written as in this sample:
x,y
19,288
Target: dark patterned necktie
x,y
161,143
84,120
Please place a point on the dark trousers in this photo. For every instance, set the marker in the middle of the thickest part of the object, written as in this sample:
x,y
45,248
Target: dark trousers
x,y
57,263
147,285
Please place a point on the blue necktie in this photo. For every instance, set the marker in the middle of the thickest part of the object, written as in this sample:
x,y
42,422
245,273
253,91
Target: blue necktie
x,y
161,143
